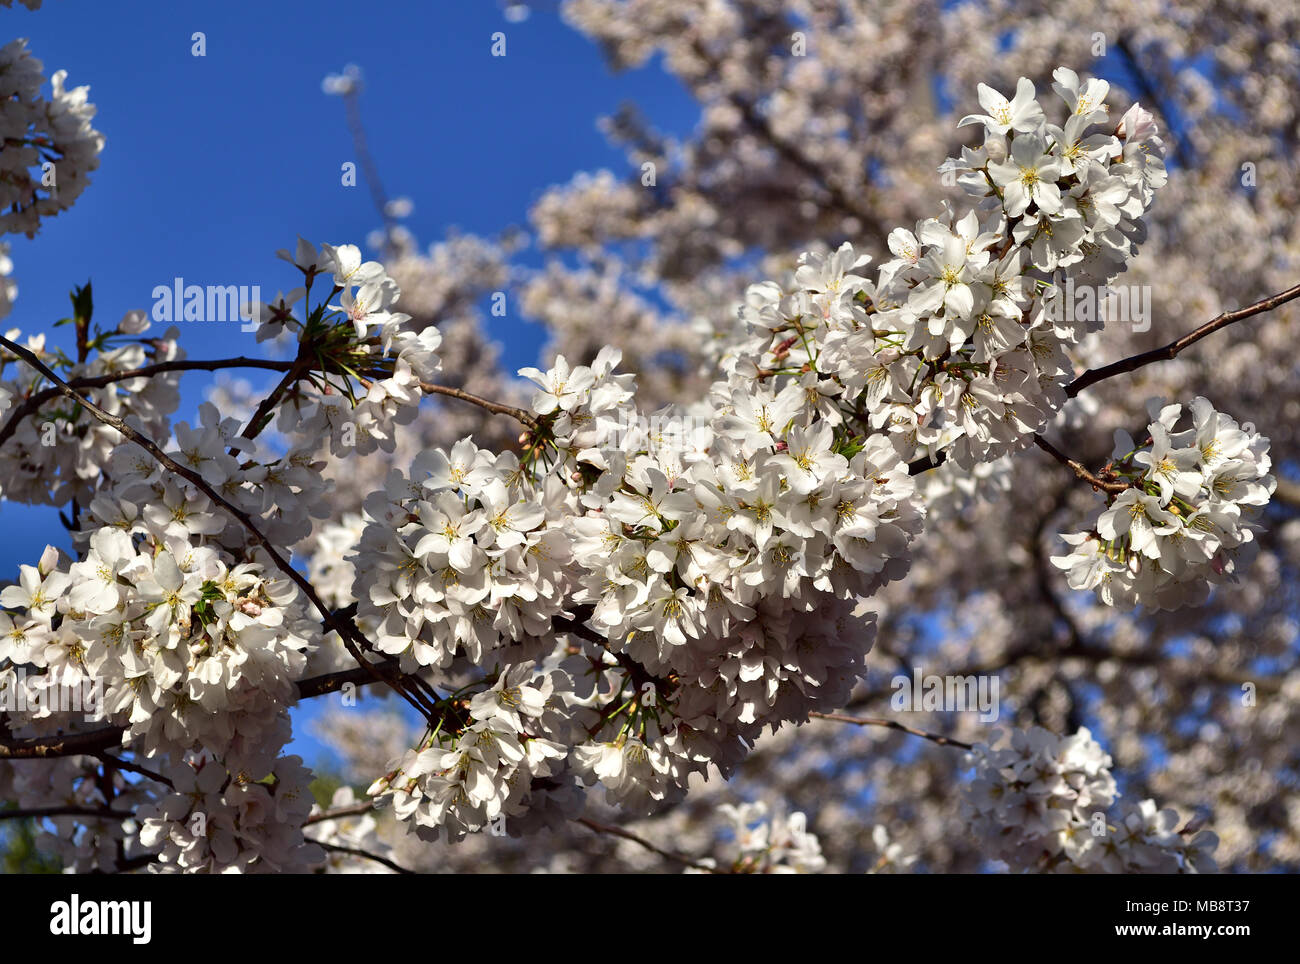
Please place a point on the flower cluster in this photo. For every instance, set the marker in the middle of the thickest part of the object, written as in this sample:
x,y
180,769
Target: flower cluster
x,y
170,604
1184,521
192,650
52,135
361,337
55,455
718,569
82,845
958,345
1039,803
710,562
770,844
489,772
216,821
463,555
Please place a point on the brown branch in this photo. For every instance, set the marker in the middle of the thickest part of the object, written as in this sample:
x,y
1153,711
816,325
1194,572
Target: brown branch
x,y
1043,574
1171,350
1093,654
120,764
1097,654
1287,491
355,852
1134,362
1077,647
1043,570
641,841
95,742
90,743
333,682
926,463
794,155
34,402
1079,469
892,725
296,371
133,863
354,810
497,408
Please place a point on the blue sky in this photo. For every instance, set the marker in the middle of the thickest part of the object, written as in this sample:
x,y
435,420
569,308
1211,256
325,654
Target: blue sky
x,y
213,163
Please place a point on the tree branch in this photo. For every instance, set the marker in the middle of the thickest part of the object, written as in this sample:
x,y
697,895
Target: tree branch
x,y
792,154
1171,350
642,842
89,743
1078,468
497,408
34,402
297,369
369,170
119,763
355,852
892,725
1165,353
95,742
355,810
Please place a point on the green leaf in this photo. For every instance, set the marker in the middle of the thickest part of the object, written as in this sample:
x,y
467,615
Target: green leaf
x,y
82,303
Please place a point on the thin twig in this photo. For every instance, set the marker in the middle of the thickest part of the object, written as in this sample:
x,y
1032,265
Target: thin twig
x,y
1171,350
1182,152
94,742
793,154
297,370
892,725
354,810
1079,468
355,852
132,766
1134,362
519,414
369,170
926,463
34,402
91,742
641,841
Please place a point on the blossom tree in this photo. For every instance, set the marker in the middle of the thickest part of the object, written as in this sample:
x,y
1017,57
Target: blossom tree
x,y
596,593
